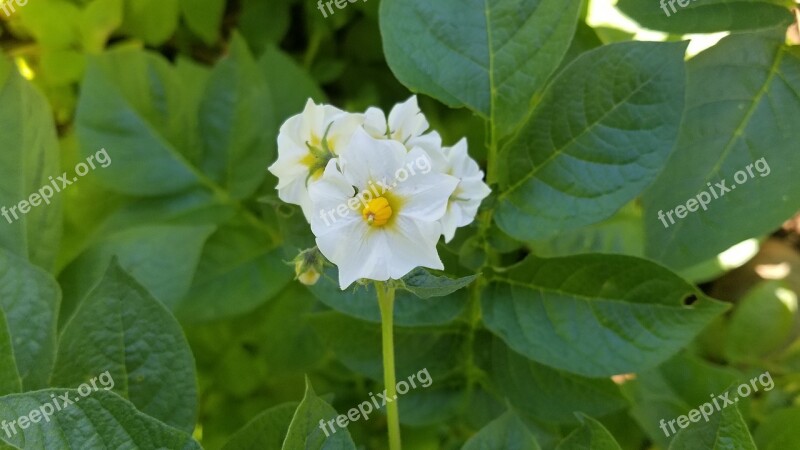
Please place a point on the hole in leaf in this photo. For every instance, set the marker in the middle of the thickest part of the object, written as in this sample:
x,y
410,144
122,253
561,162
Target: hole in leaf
x,y
689,300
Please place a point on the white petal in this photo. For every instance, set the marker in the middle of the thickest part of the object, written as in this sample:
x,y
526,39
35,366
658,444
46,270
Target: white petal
x,y
424,195
330,196
412,244
367,161
357,251
450,222
407,121
375,123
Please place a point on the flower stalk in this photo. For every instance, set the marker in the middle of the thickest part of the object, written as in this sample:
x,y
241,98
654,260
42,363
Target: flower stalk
x,y
386,302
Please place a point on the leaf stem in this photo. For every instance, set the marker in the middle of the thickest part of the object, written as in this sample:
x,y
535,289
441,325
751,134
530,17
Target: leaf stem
x,y
386,303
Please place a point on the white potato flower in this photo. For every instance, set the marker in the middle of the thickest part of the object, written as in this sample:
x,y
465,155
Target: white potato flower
x,y
471,190
378,210
306,142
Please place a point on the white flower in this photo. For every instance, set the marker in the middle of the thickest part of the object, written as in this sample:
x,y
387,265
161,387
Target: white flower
x,y
471,190
406,124
371,220
306,142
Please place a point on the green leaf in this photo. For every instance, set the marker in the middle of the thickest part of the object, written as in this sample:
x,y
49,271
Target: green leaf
x,y
621,234
231,122
492,57
761,322
357,345
53,23
595,315
723,430
423,284
134,101
239,269
672,389
204,17
29,158
743,95
305,430
29,297
261,23
289,85
591,435
548,394
121,329
10,382
593,143
361,302
266,431
168,278
99,19
779,430
706,16
100,421
506,432
154,21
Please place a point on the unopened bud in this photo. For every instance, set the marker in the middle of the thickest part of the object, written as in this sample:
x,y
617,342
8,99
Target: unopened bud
x,y
308,266
793,33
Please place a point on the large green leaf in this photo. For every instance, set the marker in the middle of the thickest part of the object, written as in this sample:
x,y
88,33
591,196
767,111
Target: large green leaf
x,y
595,315
30,299
548,394
100,421
232,117
10,382
743,100
289,85
204,17
120,328
706,16
134,105
591,435
266,431
593,143
306,432
28,158
491,56
154,21
779,430
239,269
725,429
163,258
506,432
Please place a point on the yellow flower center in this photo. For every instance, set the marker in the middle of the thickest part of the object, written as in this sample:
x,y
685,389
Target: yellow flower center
x,y
378,212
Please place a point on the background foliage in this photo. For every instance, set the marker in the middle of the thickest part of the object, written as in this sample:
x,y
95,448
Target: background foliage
x,y
168,267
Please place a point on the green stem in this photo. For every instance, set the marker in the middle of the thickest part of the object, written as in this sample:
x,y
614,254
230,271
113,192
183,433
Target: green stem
x,y
386,303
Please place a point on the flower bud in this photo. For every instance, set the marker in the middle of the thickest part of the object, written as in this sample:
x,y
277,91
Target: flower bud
x,y
308,266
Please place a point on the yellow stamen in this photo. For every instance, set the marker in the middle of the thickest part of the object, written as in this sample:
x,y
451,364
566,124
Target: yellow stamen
x,y
378,212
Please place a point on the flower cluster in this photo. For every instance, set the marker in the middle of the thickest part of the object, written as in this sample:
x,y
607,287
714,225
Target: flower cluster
x,y
393,186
